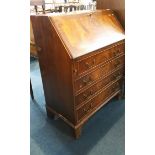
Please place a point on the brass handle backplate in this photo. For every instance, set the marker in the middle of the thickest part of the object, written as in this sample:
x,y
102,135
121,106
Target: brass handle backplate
x,y
86,110
86,80
89,65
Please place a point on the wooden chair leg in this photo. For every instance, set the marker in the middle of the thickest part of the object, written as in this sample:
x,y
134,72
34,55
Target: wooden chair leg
x,y
31,91
36,8
43,7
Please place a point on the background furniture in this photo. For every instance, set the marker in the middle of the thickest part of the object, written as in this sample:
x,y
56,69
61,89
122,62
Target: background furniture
x,y
31,90
61,6
81,60
117,5
37,3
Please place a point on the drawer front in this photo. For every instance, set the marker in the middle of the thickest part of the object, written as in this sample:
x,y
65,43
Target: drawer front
x,y
100,58
98,100
118,62
83,111
120,49
98,73
84,96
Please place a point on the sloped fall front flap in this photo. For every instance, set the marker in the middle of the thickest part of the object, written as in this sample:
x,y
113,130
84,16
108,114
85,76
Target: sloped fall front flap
x,y
82,33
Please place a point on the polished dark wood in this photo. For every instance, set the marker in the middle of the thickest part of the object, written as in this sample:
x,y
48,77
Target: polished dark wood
x,y
117,5
81,58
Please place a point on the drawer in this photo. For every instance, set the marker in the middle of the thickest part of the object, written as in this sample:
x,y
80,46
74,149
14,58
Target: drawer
x,y
118,62
87,94
98,73
100,58
118,50
98,100
83,111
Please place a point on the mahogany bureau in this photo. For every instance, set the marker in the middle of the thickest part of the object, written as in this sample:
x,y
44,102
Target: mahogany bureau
x,y
81,57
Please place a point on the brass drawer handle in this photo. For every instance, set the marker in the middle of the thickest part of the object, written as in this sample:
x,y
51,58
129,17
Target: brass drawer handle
x,y
89,65
116,53
104,83
116,76
85,96
104,69
115,86
86,80
86,110
119,73
118,62
104,58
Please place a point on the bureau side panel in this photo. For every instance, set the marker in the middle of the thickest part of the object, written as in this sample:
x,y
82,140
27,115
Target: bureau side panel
x,y
56,68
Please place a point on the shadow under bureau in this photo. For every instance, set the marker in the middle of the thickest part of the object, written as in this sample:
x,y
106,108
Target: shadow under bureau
x,y
81,58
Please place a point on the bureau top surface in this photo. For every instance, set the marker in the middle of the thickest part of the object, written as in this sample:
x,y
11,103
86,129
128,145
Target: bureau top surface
x,y
85,32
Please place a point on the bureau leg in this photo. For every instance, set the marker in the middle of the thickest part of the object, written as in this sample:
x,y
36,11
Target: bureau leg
x,y
51,115
77,132
119,96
